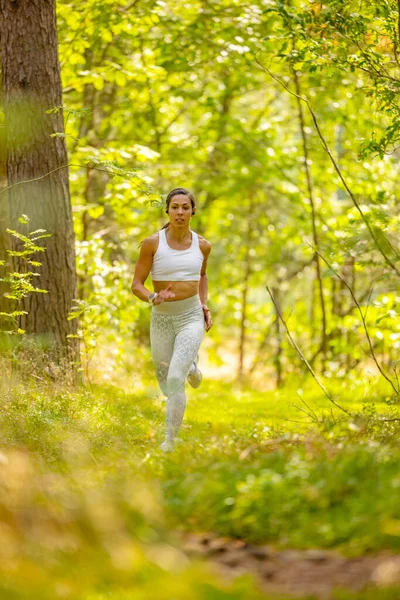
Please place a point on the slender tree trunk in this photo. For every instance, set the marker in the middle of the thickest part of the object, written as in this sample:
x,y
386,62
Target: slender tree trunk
x,y
243,318
278,334
313,218
245,290
216,159
32,85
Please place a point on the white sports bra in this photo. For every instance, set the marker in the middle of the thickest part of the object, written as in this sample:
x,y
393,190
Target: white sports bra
x,y
177,265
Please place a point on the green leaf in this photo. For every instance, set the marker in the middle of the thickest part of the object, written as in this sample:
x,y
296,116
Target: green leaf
x,y
76,59
98,83
120,79
96,212
392,314
54,110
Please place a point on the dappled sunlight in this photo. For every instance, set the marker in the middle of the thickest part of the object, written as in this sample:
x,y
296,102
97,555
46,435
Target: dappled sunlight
x,y
199,300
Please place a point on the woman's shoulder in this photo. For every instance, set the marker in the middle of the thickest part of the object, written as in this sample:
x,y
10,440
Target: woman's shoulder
x,y
154,236
205,245
151,242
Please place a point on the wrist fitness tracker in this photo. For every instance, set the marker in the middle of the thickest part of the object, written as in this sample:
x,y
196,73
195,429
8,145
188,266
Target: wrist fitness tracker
x,y
152,297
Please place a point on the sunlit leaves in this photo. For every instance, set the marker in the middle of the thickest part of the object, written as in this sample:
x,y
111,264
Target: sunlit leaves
x,y
175,97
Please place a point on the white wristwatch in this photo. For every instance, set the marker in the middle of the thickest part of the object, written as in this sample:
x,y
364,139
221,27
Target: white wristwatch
x,y
152,297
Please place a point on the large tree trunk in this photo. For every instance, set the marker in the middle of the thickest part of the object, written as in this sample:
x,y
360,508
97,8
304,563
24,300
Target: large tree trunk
x,y
5,304
32,85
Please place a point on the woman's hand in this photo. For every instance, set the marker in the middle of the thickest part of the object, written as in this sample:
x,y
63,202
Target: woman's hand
x,y
164,295
207,317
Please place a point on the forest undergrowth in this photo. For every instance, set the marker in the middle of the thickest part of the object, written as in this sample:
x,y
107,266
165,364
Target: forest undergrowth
x,y
92,509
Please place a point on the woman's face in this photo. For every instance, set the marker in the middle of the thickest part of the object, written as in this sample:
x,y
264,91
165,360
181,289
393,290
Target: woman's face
x,y
180,210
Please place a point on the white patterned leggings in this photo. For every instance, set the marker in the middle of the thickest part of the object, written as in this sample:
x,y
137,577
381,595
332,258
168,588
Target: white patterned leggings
x,y
176,332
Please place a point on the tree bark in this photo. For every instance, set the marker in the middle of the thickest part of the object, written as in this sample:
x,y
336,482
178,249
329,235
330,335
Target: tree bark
x,y
5,303
32,85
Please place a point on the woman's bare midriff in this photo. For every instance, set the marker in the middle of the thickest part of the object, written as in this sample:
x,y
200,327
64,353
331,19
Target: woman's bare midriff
x,y
181,289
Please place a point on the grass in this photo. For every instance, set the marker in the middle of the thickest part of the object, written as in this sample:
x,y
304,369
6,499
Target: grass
x,y
89,505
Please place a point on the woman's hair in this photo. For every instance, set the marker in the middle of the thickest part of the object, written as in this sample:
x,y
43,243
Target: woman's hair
x,y
175,192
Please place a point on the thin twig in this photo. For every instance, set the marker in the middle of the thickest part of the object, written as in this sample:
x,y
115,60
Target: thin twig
x,y
397,377
57,169
306,413
303,358
338,171
362,318
304,422
305,404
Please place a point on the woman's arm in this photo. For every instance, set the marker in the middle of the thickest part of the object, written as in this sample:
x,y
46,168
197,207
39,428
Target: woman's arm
x,y
203,284
142,270
203,288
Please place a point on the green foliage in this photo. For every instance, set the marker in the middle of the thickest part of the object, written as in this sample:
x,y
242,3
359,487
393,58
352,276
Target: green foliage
x,y
162,95
260,478
20,284
90,505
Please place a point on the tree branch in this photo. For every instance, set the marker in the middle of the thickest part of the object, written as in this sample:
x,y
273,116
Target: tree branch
x,y
338,171
362,318
303,358
57,169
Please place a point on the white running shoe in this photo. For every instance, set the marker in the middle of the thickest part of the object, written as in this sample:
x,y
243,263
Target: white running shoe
x,y
195,376
167,446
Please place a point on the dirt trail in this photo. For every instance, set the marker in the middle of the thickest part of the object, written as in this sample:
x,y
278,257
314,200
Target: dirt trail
x,y
295,572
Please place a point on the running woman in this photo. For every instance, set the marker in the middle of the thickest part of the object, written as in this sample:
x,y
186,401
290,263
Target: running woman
x,y
176,257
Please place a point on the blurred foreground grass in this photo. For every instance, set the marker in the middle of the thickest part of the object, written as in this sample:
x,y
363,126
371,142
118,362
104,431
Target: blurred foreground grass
x,y
90,507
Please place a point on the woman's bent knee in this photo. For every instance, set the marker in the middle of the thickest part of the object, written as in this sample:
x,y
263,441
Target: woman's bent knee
x,y
175,384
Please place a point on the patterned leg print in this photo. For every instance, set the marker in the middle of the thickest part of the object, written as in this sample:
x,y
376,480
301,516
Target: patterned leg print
x,y
162,337
189,333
